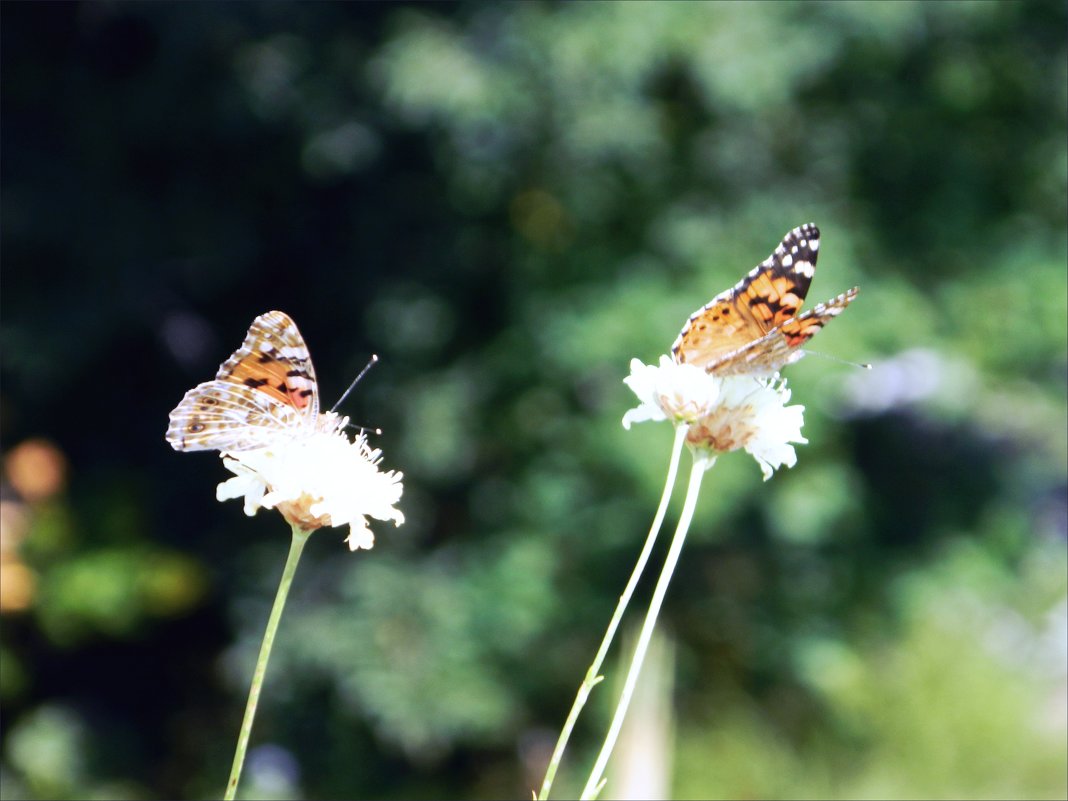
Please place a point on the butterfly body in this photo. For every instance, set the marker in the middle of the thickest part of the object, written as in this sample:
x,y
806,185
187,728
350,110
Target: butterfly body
x,y
265,391
754,327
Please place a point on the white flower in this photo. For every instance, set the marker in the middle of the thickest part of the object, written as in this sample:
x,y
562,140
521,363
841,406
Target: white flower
x,y
322,479
681,393
722,414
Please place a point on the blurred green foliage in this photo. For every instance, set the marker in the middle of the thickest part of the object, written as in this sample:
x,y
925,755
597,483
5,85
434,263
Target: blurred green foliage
x,y
507,203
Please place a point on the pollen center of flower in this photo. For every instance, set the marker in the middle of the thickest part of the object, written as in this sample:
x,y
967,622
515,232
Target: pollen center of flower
x,y
298,513
724,430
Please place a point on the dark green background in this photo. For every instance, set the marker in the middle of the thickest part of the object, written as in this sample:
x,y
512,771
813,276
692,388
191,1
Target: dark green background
x,y
507,203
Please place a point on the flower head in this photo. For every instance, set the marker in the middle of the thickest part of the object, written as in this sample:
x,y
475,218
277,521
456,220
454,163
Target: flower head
x,y
681,393
321,479
722,414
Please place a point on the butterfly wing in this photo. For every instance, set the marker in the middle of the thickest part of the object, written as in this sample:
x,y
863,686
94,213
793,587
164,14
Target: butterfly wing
x,y
224,416
753,327
274,359
265,388
782,345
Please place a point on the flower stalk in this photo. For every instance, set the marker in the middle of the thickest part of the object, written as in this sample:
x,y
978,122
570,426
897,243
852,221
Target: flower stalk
x,y
593,676
712,415
296,547
702,461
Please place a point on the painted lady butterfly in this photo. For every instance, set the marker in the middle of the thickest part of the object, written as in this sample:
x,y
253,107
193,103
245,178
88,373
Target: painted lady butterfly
x,y
265,390
753,327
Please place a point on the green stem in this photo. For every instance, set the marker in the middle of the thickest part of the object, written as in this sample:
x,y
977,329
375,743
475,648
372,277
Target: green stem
x,y
592,677
595,783
300,536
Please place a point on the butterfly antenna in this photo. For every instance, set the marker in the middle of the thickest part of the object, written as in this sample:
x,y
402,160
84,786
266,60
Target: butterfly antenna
x,y
862,365
371,363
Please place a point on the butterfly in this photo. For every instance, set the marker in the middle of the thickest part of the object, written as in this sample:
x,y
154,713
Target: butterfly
x,y
265,391
754,327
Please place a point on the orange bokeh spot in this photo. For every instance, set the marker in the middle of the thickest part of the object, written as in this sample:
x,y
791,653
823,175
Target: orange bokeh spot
x,y
17,586
37,469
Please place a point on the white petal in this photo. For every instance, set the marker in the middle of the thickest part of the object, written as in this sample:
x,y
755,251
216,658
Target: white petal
x,y
360,536
639,414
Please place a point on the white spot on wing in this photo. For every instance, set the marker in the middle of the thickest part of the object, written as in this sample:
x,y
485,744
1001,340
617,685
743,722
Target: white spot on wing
x,y
293,354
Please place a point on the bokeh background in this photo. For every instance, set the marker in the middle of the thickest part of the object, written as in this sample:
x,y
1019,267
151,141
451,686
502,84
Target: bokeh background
x,y
507,202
